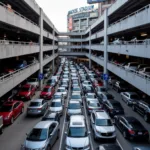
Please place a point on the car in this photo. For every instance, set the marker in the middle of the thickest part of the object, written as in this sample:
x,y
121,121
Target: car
x,y
77,136
131,66
26,92
55,78
102,126
141,66
76,89
43,136
63,91
143,108
20,64
37,107
112,80
145,147
33,81
58,96
93,105
47,92
10,110
145,71
88,89
130,97
76,97
100,89
104,96
121,86
74,83
108,147
47,68
52,82
97,83
65,85
31,60
51,116
131,128
86,83
117,41
56,106
90,97
113,108
74,108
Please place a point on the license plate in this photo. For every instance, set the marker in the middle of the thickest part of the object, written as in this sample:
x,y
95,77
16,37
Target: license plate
x,y
139,133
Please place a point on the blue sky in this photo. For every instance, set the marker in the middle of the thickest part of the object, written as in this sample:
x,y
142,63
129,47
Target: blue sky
x,y
57,10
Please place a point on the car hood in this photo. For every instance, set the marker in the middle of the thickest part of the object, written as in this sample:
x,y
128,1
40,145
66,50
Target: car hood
x,y
45,93
105,129
5,114
74,111
55,108
34,144
77,142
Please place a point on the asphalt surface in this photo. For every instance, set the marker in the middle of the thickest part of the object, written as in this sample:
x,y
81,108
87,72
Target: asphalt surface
x,y
14,135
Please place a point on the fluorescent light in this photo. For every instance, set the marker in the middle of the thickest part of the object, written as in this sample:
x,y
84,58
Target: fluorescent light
x,y
143,34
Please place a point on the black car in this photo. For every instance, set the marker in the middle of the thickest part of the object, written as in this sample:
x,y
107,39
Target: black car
x,y
121,86
49,116
113,108
108,147
131,128
142,108
88,89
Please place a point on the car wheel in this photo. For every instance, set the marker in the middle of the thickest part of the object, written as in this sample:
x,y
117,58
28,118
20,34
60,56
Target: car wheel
x,y
133,108
145,118
1,130
12,120
22,110
125,135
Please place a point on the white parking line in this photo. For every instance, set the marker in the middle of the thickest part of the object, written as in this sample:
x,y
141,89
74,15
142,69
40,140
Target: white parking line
x,y
119,144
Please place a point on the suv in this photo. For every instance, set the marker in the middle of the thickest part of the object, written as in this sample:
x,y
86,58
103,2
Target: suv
x,y
142,108
77,134
102,125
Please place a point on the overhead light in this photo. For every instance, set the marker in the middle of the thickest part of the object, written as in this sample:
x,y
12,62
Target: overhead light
x,y
143,34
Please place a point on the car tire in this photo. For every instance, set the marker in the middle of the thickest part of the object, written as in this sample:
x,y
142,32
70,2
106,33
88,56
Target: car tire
x,y
133,108
1,130
145,118
124,134
12,120
22,110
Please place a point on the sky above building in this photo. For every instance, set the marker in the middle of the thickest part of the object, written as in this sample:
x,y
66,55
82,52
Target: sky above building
x,y
57,10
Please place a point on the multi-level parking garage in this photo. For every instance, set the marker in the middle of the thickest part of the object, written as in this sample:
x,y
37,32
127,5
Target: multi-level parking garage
x,y
119,36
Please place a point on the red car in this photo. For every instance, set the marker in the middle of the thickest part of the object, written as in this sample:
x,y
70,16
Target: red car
x,y
27,91
47,92
10,110
97,83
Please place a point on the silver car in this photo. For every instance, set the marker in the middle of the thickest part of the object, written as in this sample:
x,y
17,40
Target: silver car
x,y
37,107
42,136
129,97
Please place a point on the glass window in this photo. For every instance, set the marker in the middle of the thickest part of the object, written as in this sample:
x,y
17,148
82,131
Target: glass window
x,y
103,122
75,97
35,104
47,90
134,97
74,106
6,108
25,89
94,104
77,132
56,104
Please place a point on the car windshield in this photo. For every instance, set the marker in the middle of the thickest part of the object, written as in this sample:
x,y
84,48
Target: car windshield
x,y
117,105
75,97
25,89
32,80
6,108
37,135
61,90
134,65
35,104
56,104
74,106
46,89
109,96
48,119
134,97
94,104
91,96
76,89
77,132
103,122
102,89
57,96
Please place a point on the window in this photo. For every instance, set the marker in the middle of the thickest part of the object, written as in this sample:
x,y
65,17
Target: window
x,y
103,122
35,104
77,132
16,105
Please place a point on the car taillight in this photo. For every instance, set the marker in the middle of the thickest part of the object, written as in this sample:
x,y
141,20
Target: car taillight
x,y
146,133
131,132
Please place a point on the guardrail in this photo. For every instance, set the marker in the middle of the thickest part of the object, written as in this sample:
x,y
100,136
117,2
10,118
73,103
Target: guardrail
x,y
15,12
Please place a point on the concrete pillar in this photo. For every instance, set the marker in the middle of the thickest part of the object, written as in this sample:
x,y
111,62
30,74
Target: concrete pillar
x,y
90,48
53,61
41,46
105,44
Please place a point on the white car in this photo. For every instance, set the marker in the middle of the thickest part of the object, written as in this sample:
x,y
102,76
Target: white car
x,y
34,82
76,97
77,134
86,83
56,106
90,97
63,91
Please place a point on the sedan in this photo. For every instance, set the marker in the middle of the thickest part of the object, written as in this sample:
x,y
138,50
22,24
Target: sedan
x,y
47,92
43,136
88,89
104,96
86,83
26,93
10,110
37,107
76,89
63,91
131,128
76,97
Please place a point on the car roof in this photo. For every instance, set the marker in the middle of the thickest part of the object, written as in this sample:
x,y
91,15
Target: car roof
x,y
43,124
101,114
130,118
50,115
36,100
58,93
91,94
77,121
74,102
61,87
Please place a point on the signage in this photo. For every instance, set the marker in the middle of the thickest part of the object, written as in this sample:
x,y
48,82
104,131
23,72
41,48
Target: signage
x,y
82,15
70,23
105,77
82,9
95,1
41,76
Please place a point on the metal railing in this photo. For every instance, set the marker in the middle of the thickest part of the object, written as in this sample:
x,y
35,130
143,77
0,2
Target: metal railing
x,y
15,12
